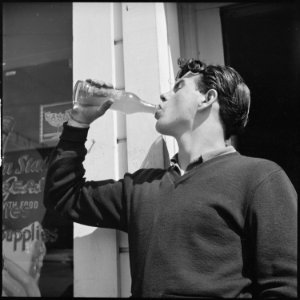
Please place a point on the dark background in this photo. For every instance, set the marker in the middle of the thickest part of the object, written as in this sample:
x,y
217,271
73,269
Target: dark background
x,y
261,41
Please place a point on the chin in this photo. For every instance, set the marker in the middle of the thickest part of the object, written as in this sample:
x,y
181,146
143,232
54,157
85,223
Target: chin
x,y
164,129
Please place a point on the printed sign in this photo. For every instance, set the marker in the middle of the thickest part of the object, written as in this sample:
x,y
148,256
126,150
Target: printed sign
x,y
38,241
23,176
52,117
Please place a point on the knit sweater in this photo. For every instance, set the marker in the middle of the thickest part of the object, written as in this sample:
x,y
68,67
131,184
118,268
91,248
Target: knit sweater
x,y
226,228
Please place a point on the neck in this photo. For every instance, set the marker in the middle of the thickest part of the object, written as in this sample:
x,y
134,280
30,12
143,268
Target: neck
x,y
197,142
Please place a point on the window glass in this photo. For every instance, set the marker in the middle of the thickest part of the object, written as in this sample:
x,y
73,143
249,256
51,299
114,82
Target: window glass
x,y
36,98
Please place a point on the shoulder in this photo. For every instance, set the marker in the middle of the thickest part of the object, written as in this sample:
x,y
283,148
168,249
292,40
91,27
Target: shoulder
x,y
254,171
257,162
145,175
266,179
256,167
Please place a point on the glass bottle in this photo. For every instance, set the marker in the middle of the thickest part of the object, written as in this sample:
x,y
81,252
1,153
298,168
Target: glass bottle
x,y
125,102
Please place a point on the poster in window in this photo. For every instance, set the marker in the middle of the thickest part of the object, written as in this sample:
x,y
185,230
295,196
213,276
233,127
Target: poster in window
x,y
52,117
38,241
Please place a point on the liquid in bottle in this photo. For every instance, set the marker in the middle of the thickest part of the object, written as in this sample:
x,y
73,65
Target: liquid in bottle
x,y
125,102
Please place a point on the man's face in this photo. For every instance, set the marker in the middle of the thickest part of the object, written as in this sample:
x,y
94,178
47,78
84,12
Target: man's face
x,y
179,106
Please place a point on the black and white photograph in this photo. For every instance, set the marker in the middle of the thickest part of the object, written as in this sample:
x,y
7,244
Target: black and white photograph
x,y
150,149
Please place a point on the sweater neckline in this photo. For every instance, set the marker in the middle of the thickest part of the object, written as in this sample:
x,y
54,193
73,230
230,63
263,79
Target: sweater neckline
x,y
176,178
204,157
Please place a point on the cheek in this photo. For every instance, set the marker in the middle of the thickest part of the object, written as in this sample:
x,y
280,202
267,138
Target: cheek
x,y
176,117
177,107
180,109
183,109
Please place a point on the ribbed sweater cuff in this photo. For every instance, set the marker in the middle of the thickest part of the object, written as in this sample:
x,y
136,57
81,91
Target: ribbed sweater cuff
x,y
74,134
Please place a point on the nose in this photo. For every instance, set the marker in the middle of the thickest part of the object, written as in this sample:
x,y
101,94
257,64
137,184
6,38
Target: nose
x,y
163,98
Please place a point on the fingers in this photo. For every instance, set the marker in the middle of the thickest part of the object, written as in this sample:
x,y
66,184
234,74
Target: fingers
x,y
104,107
99,101
86,114
104,89
100,83
22,277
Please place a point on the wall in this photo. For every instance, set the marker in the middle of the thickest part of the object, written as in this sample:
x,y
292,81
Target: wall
x,y
95,252
135,46
200,34
201,31
152,50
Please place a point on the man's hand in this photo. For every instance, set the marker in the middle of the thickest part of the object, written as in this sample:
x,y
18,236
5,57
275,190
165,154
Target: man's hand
x,y
86,114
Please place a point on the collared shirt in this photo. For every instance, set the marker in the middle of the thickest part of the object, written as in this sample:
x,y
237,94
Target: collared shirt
x,y
204,157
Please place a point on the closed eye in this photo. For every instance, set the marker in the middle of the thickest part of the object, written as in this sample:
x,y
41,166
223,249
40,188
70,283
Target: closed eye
x,y
178,85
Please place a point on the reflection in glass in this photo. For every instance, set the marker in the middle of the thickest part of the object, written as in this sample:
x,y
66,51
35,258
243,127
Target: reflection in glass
x,y
37,74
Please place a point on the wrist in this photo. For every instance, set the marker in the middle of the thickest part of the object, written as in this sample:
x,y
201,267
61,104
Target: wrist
x,y
76,123
74,134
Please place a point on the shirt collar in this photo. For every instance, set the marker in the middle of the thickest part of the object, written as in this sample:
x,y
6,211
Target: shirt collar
x,y
202,158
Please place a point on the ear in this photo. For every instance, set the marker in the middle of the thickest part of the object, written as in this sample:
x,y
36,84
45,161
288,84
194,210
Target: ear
x,y
210,97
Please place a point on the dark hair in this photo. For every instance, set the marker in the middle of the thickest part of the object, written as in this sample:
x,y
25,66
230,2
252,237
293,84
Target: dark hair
x,y
233,93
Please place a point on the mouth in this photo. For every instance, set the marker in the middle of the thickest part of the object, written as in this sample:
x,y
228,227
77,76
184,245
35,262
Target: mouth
x,y
158,112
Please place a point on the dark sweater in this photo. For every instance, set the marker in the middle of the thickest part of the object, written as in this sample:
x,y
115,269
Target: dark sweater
x,y
226,228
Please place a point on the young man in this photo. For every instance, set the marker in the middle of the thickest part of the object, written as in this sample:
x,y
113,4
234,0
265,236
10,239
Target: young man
x,y
215,223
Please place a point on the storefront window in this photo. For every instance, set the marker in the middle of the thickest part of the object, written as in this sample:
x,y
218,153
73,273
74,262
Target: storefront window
x,y
36,98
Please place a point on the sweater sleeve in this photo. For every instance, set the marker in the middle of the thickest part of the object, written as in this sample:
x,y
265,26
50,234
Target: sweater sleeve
x,y
272,223
93,203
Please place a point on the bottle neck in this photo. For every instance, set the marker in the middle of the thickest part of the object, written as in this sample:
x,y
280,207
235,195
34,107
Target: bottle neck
x,y
118,93
129,103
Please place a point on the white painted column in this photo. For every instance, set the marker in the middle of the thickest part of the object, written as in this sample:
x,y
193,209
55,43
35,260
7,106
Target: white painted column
x,y
151,50
124,278
95,254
